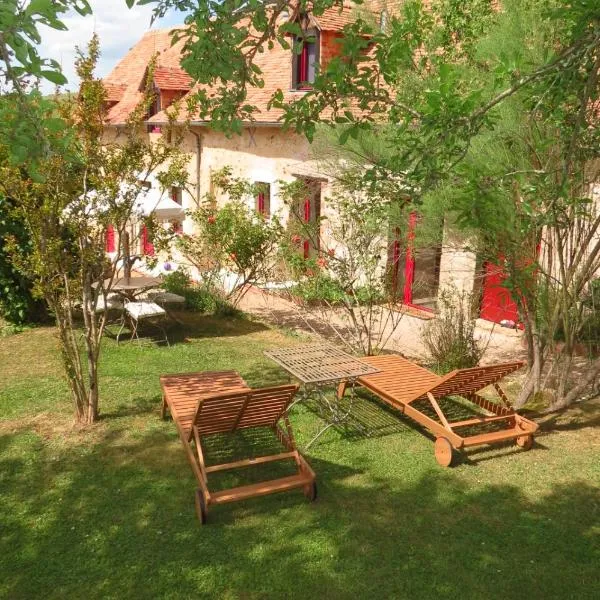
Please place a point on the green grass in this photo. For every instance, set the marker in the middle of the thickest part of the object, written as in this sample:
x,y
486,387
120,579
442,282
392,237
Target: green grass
x,y
109,513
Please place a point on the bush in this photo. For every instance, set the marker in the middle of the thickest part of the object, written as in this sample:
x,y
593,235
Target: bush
x,y
450,337
198,298
17,302
319,288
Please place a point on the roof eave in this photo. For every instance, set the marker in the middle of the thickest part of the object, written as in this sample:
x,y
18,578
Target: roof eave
x,y
207,123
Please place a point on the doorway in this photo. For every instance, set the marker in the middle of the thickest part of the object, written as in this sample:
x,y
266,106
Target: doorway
x,y
413,272
305,217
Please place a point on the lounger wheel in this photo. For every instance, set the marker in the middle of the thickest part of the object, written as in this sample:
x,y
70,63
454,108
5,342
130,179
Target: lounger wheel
x,y
201,507
444,453
310,491
525,441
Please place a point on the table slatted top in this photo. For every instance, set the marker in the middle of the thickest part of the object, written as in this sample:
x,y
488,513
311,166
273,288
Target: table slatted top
x,y
319,363
183,391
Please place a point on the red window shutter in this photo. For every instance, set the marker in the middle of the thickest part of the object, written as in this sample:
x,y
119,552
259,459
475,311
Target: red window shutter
x,y
306,244
261,203
109,239
147,245
409,270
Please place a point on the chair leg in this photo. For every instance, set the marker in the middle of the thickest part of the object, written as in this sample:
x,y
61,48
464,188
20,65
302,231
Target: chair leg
x,y
164,332
120,329
134,331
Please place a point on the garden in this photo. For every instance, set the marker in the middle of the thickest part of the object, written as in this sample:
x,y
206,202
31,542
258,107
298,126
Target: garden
x,y
479,123
109,513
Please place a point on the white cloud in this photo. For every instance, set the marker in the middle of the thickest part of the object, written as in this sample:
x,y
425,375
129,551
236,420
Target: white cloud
x,y
118,28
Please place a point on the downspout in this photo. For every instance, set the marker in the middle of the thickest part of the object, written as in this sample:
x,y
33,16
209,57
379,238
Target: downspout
x,y
198,137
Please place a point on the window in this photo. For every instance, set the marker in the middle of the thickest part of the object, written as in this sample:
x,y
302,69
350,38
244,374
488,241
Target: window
x,y
305,63
177,227
176,195
263,199
154,109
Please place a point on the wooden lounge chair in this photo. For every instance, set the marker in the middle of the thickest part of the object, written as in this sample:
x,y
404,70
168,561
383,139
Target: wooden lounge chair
x,y
410,388
203,404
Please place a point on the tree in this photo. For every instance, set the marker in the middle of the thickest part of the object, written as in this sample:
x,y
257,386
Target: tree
x,y
232,247
526,195
68,183
423,84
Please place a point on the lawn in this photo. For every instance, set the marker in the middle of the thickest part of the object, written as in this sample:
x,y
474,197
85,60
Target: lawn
x,y
109,513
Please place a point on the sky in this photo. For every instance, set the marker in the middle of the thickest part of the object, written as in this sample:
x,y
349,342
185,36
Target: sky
x,y
118,27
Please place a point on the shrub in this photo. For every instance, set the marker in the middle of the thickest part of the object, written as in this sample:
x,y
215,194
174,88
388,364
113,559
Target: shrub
x,y
232,238
319,288
17,302
450,338
201,298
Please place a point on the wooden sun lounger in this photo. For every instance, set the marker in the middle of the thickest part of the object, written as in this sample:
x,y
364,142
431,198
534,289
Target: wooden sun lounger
x,y
219,402
403,384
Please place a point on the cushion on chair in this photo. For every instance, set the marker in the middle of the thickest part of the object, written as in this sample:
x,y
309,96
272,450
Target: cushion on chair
x,y
113,302
144,310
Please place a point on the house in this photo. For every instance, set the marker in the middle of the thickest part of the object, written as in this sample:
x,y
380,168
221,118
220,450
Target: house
x,y
264,153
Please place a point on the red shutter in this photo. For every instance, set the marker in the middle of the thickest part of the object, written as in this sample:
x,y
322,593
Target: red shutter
x,y
109,239
147,245
306,244
261,203
395,261
409,271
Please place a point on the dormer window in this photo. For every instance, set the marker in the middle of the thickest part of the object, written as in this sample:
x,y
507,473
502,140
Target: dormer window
x,y
305,63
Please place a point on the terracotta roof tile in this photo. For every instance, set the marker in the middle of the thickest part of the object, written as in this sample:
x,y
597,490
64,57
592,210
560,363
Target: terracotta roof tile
x,y
334,19
130,70
166,78
276,65
114,91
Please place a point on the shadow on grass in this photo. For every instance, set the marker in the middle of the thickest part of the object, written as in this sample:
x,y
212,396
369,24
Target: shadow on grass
x,y
191,325
370,417
115,519
187,326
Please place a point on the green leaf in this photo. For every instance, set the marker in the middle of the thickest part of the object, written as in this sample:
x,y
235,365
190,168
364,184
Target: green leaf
x,y
54,124
54,76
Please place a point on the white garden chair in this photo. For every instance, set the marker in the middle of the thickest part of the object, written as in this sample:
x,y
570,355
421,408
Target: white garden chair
x,y
144,311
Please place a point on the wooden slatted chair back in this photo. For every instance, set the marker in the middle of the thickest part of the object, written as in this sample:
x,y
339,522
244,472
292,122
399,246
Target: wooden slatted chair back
x,y
228,412
470,381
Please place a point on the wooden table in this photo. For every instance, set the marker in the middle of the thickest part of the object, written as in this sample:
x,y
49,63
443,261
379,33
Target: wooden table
x,y
130,287
317,366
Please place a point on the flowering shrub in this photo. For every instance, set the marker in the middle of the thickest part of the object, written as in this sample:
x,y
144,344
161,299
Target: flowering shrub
x,y
232,239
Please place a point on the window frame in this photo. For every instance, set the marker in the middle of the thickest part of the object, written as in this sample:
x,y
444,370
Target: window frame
x,y
301,61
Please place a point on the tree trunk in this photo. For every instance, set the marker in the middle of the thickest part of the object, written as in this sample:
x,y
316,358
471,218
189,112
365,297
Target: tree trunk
x,y
536,363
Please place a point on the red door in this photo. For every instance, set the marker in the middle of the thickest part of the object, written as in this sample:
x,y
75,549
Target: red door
x,y
497,303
